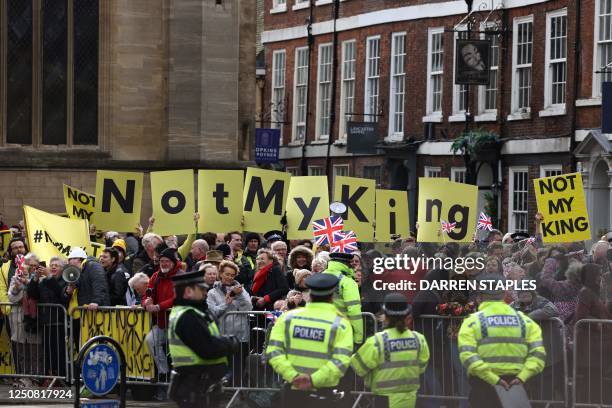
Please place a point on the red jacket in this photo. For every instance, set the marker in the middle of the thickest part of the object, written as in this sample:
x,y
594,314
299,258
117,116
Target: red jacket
x,y
162,294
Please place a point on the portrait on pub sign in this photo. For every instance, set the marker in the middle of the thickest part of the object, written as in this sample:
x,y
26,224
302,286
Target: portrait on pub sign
x,y
472,62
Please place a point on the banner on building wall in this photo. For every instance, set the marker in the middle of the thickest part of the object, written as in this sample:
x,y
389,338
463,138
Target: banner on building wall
x,y
441,201
308,200
606,108
173,200
220,200
391,215
562,202
79,204
362,137
472,62
267,145
119,199
358,195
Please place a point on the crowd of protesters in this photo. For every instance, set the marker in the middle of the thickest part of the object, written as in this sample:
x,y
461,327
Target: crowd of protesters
x,y
251,272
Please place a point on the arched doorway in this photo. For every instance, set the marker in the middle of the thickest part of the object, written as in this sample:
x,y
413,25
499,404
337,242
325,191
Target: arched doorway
x,y
600,196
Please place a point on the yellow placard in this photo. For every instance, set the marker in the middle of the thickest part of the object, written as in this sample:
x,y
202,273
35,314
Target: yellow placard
x,y
358,195
129,328
264,197
562,203
119,199
5,238
79,204
443,200
391,215
308,201
6,362
50,235
173,201
220,200
95,249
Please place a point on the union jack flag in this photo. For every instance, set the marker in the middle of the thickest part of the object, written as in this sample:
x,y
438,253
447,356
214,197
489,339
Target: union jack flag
x,y
448,227
324,230
484,222
344,242
530,240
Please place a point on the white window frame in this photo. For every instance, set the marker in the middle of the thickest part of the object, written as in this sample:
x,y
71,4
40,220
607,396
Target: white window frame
x,y
597,63
277,116
294,171
431,115
316,171
393,133
300,4
367,108
429,170
343,89
516,113
335,174
551,109
294,137
550,167
458,170
278,6
319,109
485,114
458,115
511,172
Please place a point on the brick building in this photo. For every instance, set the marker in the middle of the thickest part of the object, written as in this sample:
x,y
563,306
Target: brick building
x,y
395,65
123,85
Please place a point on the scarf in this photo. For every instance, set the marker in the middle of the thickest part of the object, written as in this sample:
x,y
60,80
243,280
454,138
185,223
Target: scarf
x,y
260,278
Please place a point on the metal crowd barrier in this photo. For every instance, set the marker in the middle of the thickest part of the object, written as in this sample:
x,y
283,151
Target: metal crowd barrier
x,y
34,343
446,379
249,371
592,364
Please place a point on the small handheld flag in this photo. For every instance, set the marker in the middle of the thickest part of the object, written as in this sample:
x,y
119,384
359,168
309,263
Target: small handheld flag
x,y
324,229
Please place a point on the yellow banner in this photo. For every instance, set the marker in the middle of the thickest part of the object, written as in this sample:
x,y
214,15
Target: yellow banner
x,y
264,198
79,204
391,214
220,200
358,195
119,198
173,201
51,235
6,362
308,201
5,238
562,203
129,328
443,200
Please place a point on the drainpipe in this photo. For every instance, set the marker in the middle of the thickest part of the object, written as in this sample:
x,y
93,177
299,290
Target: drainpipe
x,y
577,50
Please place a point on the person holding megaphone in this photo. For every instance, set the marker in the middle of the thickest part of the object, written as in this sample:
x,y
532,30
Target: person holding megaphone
x,y
86,274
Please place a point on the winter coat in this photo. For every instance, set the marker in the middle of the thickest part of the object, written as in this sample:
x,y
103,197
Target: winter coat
x,y
237,325
19,334
92,285
540,309
49,290
300,250
118,285
275,287
162,293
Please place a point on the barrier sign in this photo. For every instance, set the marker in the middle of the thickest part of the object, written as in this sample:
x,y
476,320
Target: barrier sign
x,y
100,369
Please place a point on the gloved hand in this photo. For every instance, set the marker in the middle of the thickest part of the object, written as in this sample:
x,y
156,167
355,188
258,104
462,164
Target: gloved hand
x,y
234,344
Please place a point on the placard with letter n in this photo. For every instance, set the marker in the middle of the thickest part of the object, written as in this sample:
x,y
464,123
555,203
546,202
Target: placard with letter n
x,y
562,203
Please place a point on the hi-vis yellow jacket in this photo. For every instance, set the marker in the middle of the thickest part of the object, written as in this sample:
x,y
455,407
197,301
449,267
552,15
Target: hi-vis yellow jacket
x,y
497,340
391,363
346,297
315,340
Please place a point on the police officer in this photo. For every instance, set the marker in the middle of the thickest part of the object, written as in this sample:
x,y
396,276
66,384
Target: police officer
x,y
310,347
346,296
498,345
199,353
393,360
